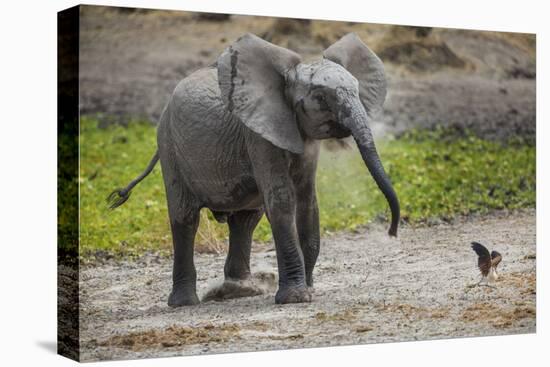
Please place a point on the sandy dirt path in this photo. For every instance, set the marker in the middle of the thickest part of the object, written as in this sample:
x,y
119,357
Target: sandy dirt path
x,y
368,289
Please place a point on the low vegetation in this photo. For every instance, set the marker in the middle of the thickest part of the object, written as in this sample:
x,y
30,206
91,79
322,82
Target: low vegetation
x,y
437,176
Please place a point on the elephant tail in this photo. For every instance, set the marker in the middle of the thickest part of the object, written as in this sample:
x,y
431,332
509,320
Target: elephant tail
x,y
120,195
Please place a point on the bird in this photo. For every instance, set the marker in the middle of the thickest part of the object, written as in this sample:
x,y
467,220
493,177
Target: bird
x,y
487,263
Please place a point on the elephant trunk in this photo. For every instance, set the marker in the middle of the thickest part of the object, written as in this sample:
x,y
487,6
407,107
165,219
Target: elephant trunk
x,y
353,116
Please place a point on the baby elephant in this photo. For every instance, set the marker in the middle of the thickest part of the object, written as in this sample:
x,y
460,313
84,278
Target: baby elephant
x,y
241,138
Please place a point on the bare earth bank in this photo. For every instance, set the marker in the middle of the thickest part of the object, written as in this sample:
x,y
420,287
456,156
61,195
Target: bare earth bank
x,y
130,62
368,289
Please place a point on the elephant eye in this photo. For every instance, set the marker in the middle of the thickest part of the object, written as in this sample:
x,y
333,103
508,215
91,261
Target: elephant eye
x,y
321,100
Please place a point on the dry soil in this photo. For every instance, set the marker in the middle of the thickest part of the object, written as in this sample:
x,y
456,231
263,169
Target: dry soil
x,y
368,289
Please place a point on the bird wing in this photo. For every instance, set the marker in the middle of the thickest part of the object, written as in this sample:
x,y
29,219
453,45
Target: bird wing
x,y
496,258
483,258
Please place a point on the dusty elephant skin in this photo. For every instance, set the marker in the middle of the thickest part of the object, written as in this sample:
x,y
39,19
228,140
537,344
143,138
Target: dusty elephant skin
x,y
241,138
369,289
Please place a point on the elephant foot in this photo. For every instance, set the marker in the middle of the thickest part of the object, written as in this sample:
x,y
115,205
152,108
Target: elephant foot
x,y
259,283
182,297
294,294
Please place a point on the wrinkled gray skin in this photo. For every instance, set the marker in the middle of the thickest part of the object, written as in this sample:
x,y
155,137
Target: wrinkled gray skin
x,y
241,138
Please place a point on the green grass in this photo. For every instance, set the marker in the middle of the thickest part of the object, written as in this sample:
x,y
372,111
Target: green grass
x,y
433,177
67,193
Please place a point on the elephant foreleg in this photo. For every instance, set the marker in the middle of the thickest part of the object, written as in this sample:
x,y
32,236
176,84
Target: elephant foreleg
x,y
290,260
307,222
303,170
279,197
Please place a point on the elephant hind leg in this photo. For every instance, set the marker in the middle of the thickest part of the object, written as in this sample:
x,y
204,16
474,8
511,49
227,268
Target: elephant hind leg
x,y
238,279
241,228
184,210
184,222
184,275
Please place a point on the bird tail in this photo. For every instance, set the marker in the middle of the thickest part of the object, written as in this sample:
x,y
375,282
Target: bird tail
x,y
479,249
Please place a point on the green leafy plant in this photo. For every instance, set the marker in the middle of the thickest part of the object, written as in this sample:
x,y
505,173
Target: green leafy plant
x,y
436,175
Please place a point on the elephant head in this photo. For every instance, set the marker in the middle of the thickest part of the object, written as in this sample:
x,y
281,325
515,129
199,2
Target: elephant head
x,y
287,101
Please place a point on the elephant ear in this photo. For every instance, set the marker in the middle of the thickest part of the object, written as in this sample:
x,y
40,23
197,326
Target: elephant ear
x,y
365,66
251,76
